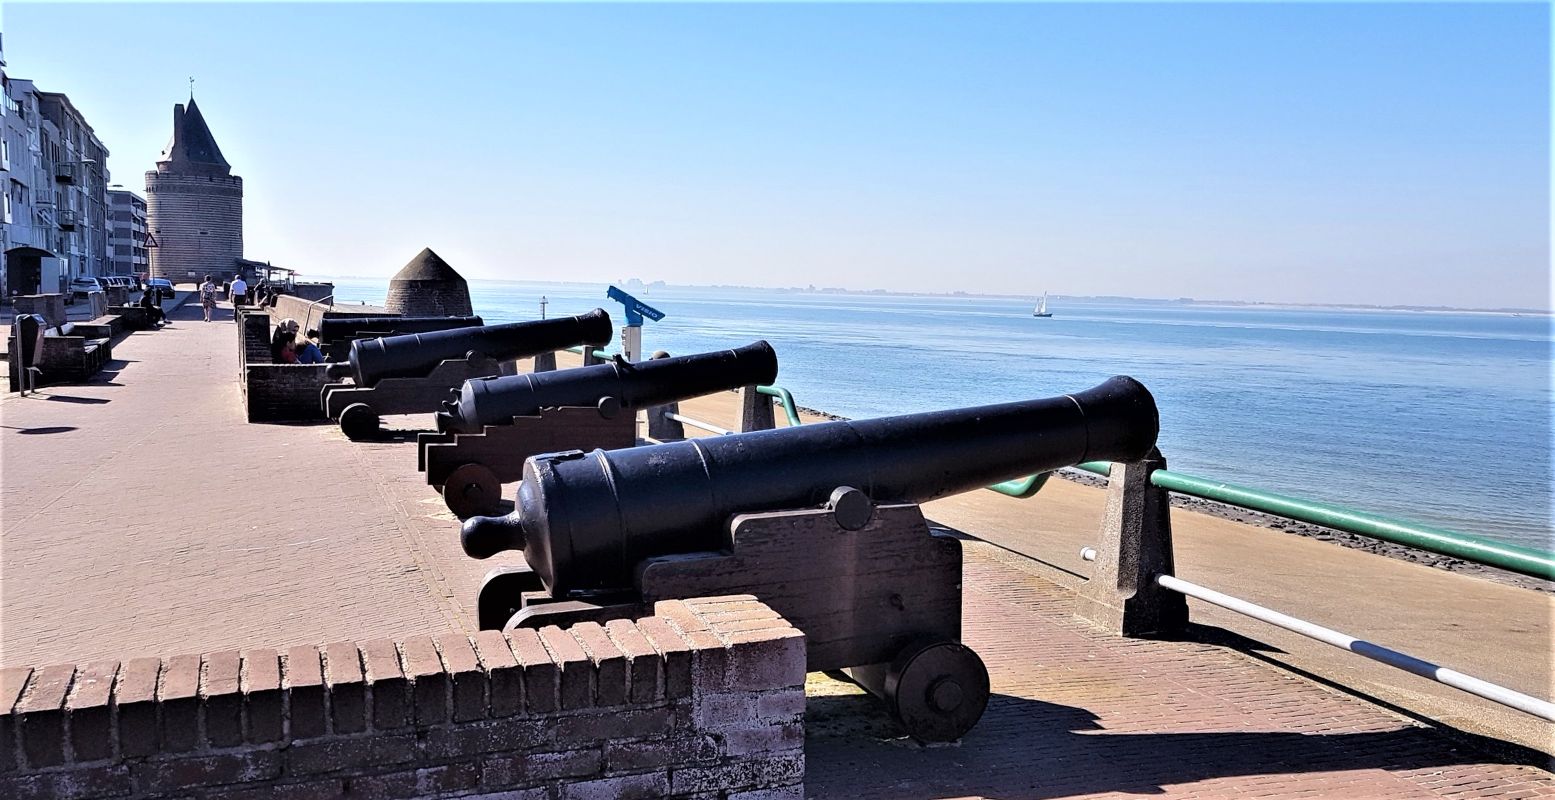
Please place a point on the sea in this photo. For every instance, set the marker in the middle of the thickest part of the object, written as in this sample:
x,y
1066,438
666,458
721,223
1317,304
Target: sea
x,y
1436,417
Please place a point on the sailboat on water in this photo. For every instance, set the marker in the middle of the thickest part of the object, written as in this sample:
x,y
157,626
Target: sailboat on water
x,y
1041,309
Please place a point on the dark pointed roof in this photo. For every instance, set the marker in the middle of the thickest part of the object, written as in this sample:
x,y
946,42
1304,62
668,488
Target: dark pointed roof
x,y
192,149
427,266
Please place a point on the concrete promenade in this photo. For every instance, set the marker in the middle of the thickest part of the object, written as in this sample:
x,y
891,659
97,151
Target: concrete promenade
x,y
142,516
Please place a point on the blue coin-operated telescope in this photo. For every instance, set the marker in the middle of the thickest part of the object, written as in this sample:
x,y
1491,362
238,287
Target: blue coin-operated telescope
x,y
636,312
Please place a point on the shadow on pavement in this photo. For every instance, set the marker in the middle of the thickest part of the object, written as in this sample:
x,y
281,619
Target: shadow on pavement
x,y
40,431
1029,750
65,398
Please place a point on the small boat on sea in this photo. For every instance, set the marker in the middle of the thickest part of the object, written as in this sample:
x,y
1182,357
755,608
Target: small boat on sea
x,y
1041,309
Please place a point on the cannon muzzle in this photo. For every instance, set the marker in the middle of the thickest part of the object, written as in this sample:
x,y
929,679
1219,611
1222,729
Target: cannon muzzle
x,y
620,384
416,354
585,520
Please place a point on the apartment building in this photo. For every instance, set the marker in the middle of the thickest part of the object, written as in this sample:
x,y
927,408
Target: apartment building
x,y
127,254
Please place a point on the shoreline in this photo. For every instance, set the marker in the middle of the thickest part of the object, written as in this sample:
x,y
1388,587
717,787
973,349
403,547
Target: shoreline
x,y
1352,541
1277,524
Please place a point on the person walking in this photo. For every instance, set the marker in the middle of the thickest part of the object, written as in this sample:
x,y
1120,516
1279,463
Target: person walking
x,y
208,297
239,293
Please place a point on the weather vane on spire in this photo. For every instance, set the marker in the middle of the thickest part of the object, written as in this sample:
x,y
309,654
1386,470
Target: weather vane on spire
x,y
191,87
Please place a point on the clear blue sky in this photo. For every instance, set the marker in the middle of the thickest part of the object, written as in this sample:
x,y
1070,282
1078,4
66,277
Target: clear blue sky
x,y
1377,153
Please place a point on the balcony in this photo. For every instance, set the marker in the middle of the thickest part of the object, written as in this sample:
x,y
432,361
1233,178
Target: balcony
x,y
67,219
65,173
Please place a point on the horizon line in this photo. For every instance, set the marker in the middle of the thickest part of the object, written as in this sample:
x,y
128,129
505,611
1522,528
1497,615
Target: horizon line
x,y
1548,312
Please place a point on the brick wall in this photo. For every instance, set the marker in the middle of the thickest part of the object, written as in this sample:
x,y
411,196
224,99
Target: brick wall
x,y
429,298
274,392
253,339
283,392
703,700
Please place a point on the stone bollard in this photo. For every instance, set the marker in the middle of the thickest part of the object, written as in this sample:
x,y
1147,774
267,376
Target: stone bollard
x,y
756,412
1135,545
545,362
661,427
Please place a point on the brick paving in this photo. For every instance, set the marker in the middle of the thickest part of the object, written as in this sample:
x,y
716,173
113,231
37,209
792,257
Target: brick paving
x,y
136,523
1077,713
140,516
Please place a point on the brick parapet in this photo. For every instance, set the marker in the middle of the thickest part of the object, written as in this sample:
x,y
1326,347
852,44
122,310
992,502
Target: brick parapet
x,y
429,298
704,699
283,392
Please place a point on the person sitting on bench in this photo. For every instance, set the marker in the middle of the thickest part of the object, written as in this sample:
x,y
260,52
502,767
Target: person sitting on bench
x,y
307,349
283,345
154,313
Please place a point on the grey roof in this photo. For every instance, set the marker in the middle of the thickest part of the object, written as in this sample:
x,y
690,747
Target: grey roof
x,y
427,266
192,148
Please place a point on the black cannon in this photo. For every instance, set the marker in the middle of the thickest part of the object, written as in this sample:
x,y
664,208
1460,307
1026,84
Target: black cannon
x,y
411,373
494,424
617,385
332,328
337,333
817,521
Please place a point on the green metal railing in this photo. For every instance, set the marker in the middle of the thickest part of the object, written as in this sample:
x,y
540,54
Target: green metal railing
x,y
1522,560
597,353
785,399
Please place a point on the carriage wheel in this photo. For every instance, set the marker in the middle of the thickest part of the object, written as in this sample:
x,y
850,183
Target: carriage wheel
x,y
937,690
359,421
472,490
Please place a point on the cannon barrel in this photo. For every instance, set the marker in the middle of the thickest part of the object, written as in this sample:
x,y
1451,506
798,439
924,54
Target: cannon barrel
x,y
585,520
491,401
415,354
336,328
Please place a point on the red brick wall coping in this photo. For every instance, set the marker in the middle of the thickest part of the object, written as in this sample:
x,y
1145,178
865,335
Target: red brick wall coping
x,y
705,699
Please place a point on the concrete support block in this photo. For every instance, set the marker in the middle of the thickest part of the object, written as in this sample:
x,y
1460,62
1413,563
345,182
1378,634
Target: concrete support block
x,y
661,427
756,413
1135,545
545,362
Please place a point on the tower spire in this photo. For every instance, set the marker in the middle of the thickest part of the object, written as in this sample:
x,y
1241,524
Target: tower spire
x,y
192,149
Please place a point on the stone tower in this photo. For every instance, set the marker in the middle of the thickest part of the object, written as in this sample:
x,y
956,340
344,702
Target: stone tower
x,y
428,287
194,204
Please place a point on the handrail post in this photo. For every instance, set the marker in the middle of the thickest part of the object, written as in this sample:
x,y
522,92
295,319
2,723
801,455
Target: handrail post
x,y
545,362
1135,545
589,359
661,427
756,412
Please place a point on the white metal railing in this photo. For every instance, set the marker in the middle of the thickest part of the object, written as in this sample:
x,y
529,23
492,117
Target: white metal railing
x,y
1510,698
307,314
696,423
